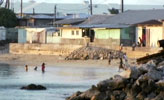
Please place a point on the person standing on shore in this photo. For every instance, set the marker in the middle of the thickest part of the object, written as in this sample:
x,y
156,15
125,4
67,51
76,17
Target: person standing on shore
x,y
110,57
43,67
121,65
26,68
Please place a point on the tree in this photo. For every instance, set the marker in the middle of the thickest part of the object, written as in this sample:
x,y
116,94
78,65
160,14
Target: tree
x,y
113,11
7,18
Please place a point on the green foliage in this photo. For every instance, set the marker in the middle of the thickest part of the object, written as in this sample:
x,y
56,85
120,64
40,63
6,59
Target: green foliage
x,y
7,18
113,11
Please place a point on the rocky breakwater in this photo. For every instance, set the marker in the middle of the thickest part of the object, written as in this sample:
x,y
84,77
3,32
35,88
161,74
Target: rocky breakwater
x,y
137,83
91,52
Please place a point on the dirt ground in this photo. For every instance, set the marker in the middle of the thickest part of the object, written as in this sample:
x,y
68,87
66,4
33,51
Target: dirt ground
x,y
37,60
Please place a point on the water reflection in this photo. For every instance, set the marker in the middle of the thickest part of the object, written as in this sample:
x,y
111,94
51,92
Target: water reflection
x,y
6,70
60,81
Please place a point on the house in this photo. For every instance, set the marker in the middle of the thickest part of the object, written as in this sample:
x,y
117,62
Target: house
x,y
125,28
134,17
152,30
37,20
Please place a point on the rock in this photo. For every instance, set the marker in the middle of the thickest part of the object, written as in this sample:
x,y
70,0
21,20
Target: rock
x,y
132,72
159,97
143,83
90,93
112,84
118,95
91,52
74,96
34,87
155,75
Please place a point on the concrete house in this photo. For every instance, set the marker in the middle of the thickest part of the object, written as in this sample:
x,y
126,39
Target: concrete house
x,y
153,31
101,33
69,33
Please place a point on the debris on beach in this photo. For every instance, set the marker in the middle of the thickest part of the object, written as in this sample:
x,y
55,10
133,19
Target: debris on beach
x,y
94,53
33,87
145,82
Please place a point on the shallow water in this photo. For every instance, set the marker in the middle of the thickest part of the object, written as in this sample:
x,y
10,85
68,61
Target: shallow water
x,y
61,82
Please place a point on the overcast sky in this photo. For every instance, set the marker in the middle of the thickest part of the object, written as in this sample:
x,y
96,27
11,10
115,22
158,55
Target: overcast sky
x,y
145,2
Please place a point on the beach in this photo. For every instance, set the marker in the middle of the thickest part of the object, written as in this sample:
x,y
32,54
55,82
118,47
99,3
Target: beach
x,y
51,60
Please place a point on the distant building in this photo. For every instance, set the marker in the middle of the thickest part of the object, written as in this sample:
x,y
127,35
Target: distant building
x,y
37,20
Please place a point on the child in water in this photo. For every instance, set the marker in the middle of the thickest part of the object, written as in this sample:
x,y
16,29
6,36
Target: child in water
x,y
26,68
43,67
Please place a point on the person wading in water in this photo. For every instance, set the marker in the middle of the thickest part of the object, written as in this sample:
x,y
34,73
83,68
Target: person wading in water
x,y
43,67
26,68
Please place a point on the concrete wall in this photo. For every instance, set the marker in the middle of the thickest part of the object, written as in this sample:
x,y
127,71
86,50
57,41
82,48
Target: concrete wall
x,y
43,49
12,34
2,34
22,36
107,33
67,33
60,49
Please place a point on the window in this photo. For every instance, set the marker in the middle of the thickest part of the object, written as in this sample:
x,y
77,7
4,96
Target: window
x,y
72,32
77,32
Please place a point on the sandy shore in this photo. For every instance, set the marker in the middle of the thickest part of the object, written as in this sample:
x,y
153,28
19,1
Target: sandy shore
x,y
37,60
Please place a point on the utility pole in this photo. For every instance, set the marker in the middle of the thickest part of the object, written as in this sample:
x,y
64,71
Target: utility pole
x,y
54,14
7,5
91,11
33,11
21,8
122,6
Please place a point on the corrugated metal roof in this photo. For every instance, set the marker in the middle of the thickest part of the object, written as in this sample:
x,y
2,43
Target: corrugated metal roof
x,y
42,17
150,22
96,19
70,21
103,26
135,16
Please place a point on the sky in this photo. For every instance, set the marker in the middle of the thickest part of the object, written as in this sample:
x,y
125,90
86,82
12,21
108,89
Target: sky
x,y
143,2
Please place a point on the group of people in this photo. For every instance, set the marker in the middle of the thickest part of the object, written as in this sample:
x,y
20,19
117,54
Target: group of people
x,y
123,59
42,67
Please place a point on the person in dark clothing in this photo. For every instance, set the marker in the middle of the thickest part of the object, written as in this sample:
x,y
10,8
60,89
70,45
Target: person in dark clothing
x,y
121,64
110,57
36,68
26,68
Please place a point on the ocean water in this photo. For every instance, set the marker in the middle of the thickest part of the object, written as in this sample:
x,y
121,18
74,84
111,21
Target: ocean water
x,y
61,82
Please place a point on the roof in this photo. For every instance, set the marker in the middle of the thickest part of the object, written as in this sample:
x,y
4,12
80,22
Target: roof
x,y
96,19
150,22
70,21
131,17
42,17
103,26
